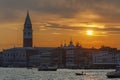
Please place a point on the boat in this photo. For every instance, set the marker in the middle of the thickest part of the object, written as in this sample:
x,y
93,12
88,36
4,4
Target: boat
x,y
47,68
78,74
114,74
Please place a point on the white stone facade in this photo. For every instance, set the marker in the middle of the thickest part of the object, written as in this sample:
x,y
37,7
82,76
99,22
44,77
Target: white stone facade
x,y
104,57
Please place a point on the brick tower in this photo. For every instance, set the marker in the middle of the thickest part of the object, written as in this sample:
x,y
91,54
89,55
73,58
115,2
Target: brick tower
x,y
27,32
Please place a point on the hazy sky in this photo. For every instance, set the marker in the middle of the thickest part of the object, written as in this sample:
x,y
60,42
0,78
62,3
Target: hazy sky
x,y
57,21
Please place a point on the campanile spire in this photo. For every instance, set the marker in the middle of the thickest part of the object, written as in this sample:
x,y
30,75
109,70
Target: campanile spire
x,y
27,32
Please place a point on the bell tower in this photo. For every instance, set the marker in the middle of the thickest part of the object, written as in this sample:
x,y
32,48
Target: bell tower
x,y
27,32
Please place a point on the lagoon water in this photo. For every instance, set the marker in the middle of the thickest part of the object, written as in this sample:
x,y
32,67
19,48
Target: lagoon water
x,y
60,74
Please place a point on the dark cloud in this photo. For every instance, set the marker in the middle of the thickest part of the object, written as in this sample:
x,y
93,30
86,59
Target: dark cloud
x,y
111,30
107,9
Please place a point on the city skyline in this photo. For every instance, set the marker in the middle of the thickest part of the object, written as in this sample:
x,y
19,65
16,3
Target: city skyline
x,y
55,22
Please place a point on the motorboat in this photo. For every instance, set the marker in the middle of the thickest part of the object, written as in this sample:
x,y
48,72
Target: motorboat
x,y
114,74
78,74
47,68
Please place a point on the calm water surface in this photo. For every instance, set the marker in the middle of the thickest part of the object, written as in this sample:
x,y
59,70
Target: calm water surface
x,y
61,74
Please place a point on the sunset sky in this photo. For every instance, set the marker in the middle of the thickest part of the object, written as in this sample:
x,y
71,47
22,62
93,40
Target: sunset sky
x,y
57,21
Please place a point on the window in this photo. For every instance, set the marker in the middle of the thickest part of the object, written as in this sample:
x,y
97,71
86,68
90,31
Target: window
x,y
29,33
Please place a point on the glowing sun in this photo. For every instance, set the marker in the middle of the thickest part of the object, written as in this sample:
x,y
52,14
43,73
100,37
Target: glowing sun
x,y
89,32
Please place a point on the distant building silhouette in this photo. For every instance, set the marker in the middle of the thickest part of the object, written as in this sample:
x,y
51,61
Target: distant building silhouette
x,y
27,32
65,56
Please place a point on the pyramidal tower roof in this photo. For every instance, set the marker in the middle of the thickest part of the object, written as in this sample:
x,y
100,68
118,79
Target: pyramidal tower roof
x,y
27,20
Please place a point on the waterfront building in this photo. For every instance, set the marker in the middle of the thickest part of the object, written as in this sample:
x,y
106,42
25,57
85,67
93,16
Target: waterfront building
x,y
58,57
35,60
118,57
43,57
103,57
14,57
1,59
71,56
106,57
21,57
